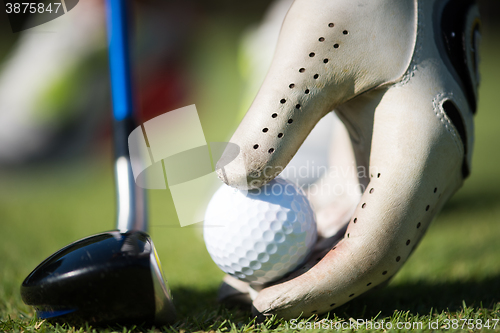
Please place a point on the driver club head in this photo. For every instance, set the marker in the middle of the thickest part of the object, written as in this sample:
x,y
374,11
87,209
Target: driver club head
x,y
112,277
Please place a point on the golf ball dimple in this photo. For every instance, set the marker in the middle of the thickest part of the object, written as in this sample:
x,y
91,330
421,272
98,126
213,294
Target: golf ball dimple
x,y
261,235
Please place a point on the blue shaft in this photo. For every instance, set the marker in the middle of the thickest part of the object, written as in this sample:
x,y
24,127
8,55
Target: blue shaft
x,y
131,199
119,58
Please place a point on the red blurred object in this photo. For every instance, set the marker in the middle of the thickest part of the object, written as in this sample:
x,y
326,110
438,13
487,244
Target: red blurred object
x,y
163,91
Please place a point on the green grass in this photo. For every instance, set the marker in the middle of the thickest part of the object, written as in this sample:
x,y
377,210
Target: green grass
x,y
453,274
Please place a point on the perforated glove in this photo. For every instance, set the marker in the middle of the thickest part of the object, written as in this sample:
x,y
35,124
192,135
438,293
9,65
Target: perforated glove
x,y
402,76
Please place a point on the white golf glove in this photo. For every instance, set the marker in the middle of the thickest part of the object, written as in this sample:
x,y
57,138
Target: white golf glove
x,y
402,75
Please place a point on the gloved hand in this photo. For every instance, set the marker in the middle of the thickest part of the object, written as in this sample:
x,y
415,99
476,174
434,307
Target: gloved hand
x,y
402,76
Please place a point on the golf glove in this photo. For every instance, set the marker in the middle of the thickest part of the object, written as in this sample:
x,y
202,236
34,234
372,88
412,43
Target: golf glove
x,y
402,76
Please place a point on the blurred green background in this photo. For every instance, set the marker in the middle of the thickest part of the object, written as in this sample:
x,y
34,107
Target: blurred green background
x,y
46,205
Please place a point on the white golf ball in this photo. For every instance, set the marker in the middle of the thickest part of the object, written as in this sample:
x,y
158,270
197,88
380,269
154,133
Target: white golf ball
x,y
261,235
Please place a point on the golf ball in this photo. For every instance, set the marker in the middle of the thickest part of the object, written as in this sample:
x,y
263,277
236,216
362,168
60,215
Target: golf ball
x,y
261,235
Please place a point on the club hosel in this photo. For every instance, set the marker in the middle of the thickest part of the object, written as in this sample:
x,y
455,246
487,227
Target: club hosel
x,y
131,210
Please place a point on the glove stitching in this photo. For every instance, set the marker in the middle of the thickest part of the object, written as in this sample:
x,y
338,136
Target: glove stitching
x,y
441,115
413,67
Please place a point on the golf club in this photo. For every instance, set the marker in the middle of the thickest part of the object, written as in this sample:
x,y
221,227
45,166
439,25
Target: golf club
x,y
116,276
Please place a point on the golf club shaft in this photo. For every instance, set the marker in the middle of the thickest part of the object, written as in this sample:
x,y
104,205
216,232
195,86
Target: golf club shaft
x,y
131,210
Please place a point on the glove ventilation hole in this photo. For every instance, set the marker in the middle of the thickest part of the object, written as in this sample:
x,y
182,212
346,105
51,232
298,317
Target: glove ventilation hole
x,y
316,76
378,176
372,190
306,91
291,85
427,208
280,135
363,205
348,235
271,150
302,70
355,220
283,101
368,284
435,189
297,106
325,60
351,295
255,146
312,54
408,242
418,225
331,25
345,32
274,115
398,258
321,39
336,46
384,272
265,130
290,121
332,305
314,311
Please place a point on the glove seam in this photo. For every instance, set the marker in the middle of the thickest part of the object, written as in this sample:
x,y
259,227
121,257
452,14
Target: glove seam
x,y
415,60
441,115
